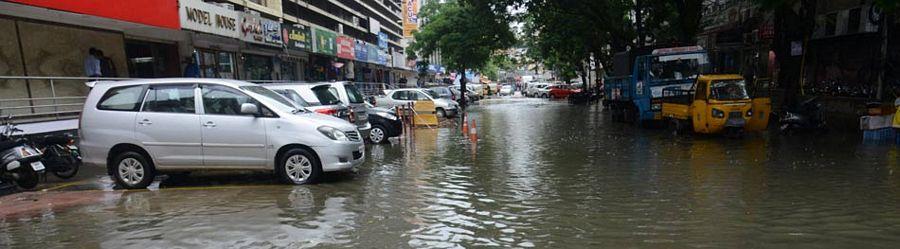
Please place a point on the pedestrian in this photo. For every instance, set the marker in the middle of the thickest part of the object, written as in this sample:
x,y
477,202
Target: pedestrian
x,y
896,121
92,64
191,69
107,67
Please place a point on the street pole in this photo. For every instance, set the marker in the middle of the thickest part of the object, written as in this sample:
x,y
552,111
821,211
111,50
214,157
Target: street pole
x,y
462,88
639,22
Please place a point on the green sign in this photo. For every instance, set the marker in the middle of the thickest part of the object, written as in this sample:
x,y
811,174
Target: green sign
x,y
325,41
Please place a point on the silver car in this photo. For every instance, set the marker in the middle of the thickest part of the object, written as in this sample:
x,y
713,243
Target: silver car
x,y
352,98
400,97
141,128
314,97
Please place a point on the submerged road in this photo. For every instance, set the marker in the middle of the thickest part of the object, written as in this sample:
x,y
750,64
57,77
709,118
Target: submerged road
x,y
542,174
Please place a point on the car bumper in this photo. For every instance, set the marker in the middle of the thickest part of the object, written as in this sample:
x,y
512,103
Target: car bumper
x,y
342,156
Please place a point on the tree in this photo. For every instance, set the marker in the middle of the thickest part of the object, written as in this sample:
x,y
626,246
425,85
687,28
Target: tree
x,y
465,35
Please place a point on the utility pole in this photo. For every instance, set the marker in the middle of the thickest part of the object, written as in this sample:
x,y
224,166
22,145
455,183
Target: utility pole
x,y
638,6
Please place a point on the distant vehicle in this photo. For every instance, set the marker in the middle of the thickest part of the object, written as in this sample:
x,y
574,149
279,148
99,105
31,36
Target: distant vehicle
x,y
506,90
560,91
443,92
315,97
471,97
543,92
385,124
715,104
141,128
404,96
532,89
472,94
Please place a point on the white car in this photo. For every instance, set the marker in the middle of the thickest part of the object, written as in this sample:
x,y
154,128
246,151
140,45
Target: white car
x,y
532,90
404,96
506,90
140,128
543,92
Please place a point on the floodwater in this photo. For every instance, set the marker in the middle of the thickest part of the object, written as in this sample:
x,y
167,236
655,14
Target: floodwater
x,y
542,174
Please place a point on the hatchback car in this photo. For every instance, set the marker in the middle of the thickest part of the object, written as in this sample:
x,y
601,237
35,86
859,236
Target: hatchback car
x,y
444,108
141,128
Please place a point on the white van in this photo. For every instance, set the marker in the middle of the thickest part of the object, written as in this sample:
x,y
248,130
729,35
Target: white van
x,y
140,128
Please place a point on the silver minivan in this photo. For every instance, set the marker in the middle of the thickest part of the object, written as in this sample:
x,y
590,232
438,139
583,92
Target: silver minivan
x,y
141,128
351,97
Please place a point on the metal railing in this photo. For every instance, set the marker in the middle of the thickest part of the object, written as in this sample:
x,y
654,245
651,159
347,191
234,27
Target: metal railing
x,y
43,98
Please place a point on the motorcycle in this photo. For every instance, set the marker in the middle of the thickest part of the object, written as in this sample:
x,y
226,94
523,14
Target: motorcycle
x,y
20,163
807,115
61,155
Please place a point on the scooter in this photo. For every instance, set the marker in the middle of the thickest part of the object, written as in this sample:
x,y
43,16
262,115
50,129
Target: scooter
x,y
808,115
61,155
20,163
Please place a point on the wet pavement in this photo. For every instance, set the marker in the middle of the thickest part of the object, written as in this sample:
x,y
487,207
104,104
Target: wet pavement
x,y
542,174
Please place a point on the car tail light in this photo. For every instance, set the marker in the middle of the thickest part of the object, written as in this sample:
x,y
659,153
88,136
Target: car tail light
x,y
328,111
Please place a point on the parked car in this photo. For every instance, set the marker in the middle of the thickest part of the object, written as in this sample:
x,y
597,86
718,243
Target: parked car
x,y
315,97
543,92
471,92
404,96
443,92
532,90
471,97
506,90
141,128
385,124
560,91
352,98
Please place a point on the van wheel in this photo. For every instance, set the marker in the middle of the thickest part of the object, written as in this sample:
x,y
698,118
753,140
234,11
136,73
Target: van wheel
x,y
133,170
298,166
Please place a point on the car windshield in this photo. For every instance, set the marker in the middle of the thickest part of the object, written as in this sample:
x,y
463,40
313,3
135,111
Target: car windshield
x,y
325,96
293,96
728,90
353,94
431,93
272,99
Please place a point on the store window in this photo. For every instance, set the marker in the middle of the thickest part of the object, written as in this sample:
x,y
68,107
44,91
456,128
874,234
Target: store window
x,y
151,60
289,70
257,67
216,64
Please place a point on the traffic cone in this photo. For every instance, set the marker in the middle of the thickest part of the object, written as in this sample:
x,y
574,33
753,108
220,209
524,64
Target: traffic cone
x,y
465,126
473,133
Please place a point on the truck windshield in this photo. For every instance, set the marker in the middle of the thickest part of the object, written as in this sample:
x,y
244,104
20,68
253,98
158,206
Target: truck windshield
x,y
676,67
728,90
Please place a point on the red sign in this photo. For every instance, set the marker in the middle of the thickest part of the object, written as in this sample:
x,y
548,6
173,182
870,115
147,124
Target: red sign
x,y
160,13
345,47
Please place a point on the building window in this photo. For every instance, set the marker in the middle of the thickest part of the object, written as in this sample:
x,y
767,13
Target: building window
x,y
260,2
216,64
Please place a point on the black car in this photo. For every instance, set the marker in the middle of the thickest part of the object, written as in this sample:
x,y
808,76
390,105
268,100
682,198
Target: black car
x,y
385,124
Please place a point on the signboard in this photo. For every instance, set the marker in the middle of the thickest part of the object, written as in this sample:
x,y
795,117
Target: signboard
x,y
373,53
382,57
154,13
361,50
297,37
410,17
374,26
398,60
382,40
345,46
325,41
260,30
208,18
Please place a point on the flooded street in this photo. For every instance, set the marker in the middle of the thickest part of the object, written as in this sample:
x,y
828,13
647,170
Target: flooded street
x,y
543,174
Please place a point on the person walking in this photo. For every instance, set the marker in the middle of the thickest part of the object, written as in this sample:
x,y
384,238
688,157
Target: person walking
x,y
107,67
191,69
92,63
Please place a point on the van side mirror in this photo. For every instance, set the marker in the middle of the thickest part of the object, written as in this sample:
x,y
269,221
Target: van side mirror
x,y
250,109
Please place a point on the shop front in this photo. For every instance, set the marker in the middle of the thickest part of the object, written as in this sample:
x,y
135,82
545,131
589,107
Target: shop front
x,y
147,59
214,33
298,44
323,63
262,43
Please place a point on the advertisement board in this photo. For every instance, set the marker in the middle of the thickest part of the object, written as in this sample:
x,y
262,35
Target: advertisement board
x,y
208,18
154,13
410,17
345,46
382,40
260,30
325,41
373,53
297,37
362,50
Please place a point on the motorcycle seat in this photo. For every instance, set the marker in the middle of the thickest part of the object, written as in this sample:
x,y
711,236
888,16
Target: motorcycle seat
x,y
52,139
5,145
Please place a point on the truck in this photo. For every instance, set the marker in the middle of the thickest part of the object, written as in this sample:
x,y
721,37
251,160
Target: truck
x,y
634,91
718,103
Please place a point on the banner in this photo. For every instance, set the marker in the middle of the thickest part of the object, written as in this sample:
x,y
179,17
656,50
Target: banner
x,y
345,46
208,18
260,30
325,41
361,50
410,17
382,40
373,53
297,37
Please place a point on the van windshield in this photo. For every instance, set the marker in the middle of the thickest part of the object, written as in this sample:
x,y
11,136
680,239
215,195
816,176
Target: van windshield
x,y
271,99
353,94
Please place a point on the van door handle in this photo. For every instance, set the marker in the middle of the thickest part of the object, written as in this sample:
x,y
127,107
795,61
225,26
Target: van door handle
x,y
145,122
209,124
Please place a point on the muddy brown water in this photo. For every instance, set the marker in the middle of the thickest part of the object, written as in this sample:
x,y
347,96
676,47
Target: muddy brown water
x,y
543,174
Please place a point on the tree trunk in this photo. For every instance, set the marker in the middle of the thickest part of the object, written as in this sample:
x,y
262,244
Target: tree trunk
x,y
462,88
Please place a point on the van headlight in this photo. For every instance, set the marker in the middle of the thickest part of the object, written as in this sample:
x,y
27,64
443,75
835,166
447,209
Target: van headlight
x,y
333,133
386,115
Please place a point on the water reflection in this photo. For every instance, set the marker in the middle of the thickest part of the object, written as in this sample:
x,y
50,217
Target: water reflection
x,y
542,174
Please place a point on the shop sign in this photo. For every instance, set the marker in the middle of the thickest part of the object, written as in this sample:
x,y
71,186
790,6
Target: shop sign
x,y
398,60
345,46
382,57
260,30
208,18
162,13
297,37
362,50
382,40
410,17
373,53
325,41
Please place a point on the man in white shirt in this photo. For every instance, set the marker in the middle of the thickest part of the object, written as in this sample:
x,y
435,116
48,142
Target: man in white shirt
x,y
92,64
